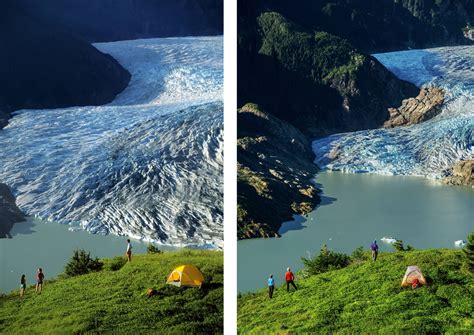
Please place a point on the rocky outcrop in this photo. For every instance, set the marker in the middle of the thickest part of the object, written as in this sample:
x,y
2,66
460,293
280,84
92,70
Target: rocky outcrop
x,y
9,212
425,106
274,175
462,173
468,33
41,66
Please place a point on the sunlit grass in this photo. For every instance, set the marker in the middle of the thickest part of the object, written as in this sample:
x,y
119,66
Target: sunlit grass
x,y
366,297
116,301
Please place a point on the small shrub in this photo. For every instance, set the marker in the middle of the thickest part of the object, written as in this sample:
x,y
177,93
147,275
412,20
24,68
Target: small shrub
x,y
82,263
398,245
151,249
117,263
359,254
469,253
325,261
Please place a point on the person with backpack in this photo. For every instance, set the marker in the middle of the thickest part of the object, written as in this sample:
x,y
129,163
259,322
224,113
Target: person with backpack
x,y
271,286
375,250
39,280
289,278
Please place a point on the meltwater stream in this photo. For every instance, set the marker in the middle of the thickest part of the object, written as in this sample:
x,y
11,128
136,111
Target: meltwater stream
x,y
426,149
148,165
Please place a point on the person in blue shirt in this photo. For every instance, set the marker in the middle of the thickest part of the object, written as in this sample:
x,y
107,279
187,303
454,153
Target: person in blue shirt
x,y
271,286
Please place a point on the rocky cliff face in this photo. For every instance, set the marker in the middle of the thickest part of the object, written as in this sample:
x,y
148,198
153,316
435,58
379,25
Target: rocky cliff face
x,y
42,66
415,110
274,173
9,212
462,173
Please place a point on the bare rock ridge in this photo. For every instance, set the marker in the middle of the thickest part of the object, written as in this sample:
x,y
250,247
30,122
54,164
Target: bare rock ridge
x,y
9,212
462,173
425,106
274,174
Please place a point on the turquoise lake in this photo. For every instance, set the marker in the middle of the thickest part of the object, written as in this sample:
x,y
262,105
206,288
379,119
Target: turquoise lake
x,y
355,210
48,245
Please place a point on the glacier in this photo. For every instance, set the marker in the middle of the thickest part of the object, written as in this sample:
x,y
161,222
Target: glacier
x,y
427,149
149,165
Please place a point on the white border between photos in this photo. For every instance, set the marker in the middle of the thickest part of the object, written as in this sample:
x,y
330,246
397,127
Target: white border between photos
x,y
230,166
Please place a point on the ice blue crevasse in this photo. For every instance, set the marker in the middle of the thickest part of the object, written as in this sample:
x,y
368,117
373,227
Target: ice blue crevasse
x,y
425,149
148,165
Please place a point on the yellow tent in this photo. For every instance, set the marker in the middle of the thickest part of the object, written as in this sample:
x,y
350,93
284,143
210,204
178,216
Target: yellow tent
x,y
186,275
411,273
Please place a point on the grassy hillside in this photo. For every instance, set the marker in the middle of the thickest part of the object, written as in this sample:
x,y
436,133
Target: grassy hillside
x,y
367,298
115,301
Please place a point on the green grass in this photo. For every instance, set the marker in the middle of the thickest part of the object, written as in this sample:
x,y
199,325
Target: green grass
x,y
366,298
115,301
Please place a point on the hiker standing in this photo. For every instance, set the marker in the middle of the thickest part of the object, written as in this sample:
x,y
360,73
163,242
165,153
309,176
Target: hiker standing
x,y
22,286
375,250
39,280
129,250
271,286
289,277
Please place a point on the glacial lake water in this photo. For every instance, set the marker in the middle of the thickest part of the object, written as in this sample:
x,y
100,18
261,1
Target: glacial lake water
x,y
49,245
355,210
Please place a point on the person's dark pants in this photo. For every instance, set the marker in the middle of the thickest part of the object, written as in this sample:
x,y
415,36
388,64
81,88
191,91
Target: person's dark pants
x,y
288,285
374,255
270,291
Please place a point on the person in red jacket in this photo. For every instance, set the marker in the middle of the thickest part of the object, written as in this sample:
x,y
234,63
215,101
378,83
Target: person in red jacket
x,y
39,280
289,277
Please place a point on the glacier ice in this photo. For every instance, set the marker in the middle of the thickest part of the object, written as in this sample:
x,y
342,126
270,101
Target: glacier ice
x,y
425,149
148,165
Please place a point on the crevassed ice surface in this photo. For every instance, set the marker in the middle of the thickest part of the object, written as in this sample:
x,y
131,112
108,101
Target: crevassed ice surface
x,y
425,149
148,165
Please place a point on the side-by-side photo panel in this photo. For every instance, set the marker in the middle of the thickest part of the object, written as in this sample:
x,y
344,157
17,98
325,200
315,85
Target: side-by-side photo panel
x,y
111,167
355,198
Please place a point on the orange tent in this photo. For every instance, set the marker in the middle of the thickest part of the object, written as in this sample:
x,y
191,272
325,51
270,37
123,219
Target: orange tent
x,y
411,273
